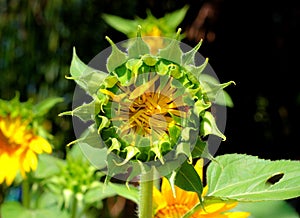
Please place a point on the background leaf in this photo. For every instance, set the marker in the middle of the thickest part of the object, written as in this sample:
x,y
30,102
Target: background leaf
x,y
246,178
125,26
48,166
174,18
121,189
44,106
274,209
16,210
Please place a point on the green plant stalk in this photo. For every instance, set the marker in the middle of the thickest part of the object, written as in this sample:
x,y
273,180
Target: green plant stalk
x,y
25,193
146,193
74,207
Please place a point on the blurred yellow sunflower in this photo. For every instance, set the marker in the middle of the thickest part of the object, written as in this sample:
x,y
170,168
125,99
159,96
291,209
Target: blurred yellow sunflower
x,y
19,147
168,206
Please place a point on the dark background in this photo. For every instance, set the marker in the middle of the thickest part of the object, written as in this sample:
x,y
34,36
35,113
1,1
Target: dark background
x,y
256,44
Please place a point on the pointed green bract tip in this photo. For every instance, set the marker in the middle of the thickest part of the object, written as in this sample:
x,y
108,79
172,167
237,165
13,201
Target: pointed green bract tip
x,y
139,31
110,41
198,45
178,33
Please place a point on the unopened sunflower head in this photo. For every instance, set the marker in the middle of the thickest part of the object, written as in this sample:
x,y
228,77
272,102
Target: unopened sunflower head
x,y
149,110
154,29
22,136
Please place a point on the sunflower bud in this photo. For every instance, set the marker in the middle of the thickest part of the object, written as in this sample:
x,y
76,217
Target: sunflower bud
x,y
148,110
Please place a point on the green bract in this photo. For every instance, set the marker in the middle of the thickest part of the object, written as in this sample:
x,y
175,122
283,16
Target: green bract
x,y
149,110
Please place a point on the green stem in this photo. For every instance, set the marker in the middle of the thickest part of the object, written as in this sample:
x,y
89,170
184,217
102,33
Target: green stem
x,y
25,193
146,193
74,207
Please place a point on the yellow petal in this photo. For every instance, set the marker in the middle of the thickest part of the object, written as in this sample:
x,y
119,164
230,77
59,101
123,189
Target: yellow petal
x,y
25,165
30,161
199,168
35,146
214,208
2,174
39,145
165,187
237,214
10,168
159,200
190,199
205,190
10,177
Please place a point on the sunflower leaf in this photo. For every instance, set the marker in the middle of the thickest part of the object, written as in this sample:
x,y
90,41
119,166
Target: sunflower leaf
x,y
98,193
131,193
45,169
16,210
275,209
200,148
44,106
174,18
244,177
125,26
188,179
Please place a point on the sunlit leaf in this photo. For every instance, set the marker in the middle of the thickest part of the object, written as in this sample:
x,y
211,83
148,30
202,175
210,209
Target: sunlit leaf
x,y
245,178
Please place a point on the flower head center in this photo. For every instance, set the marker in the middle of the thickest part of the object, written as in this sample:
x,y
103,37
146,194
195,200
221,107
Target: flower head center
x,y
149,107
149,114
12,133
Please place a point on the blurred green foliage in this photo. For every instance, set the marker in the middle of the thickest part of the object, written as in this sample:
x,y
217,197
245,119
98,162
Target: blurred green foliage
x,y
37,38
